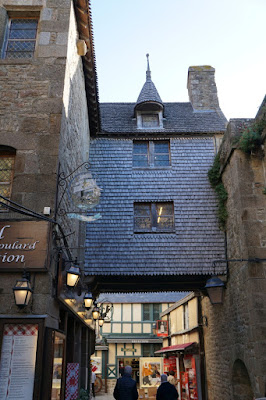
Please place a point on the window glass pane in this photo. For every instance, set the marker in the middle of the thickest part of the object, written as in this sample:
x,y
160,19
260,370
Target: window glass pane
x,y
161,147
142,214
146,312
156,312
140,154
23,24
20,46
161,160
146,350
142,209
143,223
6,175
161,154
140,160
22,34
140,147
21,38
164,209
165,216
150,120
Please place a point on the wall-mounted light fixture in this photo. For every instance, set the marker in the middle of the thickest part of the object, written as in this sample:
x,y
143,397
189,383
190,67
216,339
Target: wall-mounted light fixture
x,y
73,275
95,312
88,300
101,320
215,288
23,290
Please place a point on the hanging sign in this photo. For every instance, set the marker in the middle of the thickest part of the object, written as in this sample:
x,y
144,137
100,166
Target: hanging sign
x,y
96,364
17,365
23,244
72,381
84,194
162,328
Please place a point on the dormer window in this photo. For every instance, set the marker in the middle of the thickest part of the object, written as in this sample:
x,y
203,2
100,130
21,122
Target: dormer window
x,y
149,107
150,120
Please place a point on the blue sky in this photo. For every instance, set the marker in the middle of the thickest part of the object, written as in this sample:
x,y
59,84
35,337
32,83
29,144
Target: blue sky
x,y
228,35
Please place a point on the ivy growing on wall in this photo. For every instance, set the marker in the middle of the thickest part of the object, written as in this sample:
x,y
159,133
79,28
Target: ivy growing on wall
x,y
250,140
217,184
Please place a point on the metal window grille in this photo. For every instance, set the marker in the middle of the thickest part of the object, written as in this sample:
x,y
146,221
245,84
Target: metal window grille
x,y
21,38
6,176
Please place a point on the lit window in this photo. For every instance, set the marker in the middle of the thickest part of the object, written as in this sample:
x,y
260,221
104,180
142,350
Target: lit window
x,y
21,38
154,217
7,162
151,153
150,120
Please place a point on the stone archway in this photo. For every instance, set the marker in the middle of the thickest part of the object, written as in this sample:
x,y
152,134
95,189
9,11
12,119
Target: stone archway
x,y
241,382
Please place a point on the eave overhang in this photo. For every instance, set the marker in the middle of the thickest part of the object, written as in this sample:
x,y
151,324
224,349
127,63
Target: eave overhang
x,y
84,24
149,283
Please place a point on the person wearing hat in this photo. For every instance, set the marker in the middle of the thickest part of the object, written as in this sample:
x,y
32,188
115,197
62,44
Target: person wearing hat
x,y
166,391
126,387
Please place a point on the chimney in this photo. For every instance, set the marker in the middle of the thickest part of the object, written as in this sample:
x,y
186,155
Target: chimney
x,y
202,89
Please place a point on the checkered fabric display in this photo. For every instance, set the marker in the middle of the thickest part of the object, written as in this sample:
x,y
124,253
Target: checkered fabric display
x,y
72,381
21,330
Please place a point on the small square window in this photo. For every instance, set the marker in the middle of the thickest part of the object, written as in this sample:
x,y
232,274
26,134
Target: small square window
x,y
21,38
150,120
154,217
152,154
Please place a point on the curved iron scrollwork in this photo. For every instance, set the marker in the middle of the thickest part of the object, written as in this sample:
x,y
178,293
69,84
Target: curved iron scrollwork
x,y
62,179
82,193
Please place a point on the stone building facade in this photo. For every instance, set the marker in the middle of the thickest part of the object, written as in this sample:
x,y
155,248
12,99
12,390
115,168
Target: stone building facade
x,y
235,340
48,109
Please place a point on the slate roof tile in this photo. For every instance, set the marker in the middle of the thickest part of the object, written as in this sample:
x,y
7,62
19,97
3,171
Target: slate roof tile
x,y
179,118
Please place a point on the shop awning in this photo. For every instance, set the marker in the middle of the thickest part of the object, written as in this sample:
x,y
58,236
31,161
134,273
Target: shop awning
x,y
176,347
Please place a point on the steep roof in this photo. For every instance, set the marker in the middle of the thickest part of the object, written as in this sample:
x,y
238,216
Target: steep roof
x,y
179,118
148,92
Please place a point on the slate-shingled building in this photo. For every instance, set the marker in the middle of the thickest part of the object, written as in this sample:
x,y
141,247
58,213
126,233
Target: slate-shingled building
x,y
159,228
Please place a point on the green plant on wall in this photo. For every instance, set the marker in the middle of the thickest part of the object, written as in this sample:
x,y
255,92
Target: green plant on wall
x,y
251,140
217,184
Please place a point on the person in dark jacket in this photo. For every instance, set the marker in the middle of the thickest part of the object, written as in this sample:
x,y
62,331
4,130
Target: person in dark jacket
x,y
126,387
166,391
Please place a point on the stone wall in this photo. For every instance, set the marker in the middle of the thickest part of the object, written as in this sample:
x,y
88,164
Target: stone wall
x,y
202,89
235,340
31,104
44,116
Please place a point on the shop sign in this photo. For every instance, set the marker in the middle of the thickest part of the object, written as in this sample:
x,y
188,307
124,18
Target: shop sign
x,y
169,364
23,244
96,365
128,349
17,365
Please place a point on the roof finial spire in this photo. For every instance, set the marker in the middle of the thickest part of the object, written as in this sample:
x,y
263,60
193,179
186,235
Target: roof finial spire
x,y
148,72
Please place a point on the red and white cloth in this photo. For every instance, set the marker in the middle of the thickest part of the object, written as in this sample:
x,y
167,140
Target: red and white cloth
x,y
72,381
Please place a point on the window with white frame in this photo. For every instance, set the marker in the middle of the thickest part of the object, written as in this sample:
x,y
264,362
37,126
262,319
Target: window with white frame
x,y
20,38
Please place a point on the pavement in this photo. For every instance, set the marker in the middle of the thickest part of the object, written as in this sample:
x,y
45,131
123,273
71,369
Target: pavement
x,y
103,396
